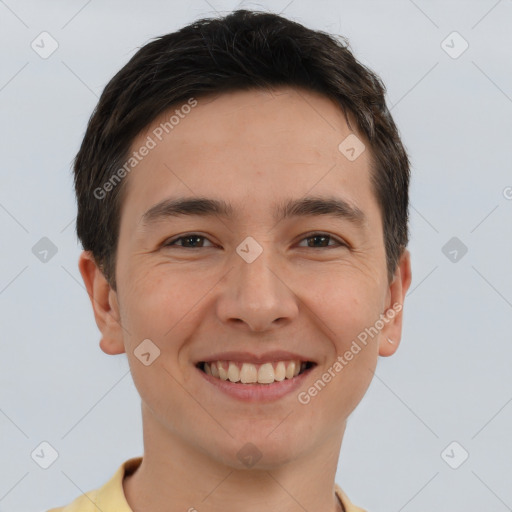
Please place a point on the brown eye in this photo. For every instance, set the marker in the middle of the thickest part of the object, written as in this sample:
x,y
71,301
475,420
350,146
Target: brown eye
x,y
321,240
190,241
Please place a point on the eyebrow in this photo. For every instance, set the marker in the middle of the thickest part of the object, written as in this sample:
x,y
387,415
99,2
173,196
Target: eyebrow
x,y
310,206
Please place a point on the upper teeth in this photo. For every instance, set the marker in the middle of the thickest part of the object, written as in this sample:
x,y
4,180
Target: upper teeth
x,y
248,373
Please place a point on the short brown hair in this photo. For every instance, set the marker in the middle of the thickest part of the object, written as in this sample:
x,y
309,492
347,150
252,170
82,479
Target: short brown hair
x,y
243,50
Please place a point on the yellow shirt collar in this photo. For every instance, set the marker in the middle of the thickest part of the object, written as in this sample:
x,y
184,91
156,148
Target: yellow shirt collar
x,y
111,498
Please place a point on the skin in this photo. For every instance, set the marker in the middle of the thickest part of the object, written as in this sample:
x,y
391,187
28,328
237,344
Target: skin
x,y
252,149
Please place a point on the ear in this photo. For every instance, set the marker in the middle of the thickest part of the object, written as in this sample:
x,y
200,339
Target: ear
x,y
391,333
104,303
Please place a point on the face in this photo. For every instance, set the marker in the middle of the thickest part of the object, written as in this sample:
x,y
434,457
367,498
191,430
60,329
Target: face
x,y
255,286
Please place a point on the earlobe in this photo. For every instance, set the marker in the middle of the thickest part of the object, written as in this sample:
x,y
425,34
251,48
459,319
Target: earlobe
x,y
391,333
104,303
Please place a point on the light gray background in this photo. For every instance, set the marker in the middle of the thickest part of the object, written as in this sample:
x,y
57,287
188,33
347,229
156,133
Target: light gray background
x,y
451,378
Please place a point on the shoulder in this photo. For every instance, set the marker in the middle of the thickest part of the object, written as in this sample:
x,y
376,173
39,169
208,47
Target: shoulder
x,y
84,503
108,498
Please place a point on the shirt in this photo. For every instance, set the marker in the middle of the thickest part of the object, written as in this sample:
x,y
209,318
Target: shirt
x,y
111,498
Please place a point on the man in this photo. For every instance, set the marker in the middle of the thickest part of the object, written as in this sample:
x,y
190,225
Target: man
x,y
242,204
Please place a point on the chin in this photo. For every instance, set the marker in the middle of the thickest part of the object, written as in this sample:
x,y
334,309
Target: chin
x,y
261,451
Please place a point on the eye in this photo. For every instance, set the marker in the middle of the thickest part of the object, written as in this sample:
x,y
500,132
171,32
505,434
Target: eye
x,y
196,241
322,239
190,241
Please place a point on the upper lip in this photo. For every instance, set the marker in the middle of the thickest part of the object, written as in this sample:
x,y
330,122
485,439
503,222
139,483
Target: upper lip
x,y
250,357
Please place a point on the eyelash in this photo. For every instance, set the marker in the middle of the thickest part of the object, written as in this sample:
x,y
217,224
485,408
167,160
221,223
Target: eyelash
x,y
340,243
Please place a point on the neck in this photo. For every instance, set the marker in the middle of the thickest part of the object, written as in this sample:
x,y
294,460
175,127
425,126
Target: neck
x,y
175,476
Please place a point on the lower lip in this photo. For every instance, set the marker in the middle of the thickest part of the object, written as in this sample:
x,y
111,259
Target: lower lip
x,y
258,392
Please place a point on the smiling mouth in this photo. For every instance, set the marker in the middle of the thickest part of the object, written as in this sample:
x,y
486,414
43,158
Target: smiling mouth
x,y
249,373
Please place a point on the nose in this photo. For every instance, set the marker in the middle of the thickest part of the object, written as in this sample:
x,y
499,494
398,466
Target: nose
x,y
256,296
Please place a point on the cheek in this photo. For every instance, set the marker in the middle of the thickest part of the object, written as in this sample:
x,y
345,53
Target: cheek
x,y
157,306
344,300
158,299
346,305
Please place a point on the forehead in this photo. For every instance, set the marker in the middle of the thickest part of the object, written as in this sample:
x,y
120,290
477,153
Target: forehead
x,y
252,146
281,120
